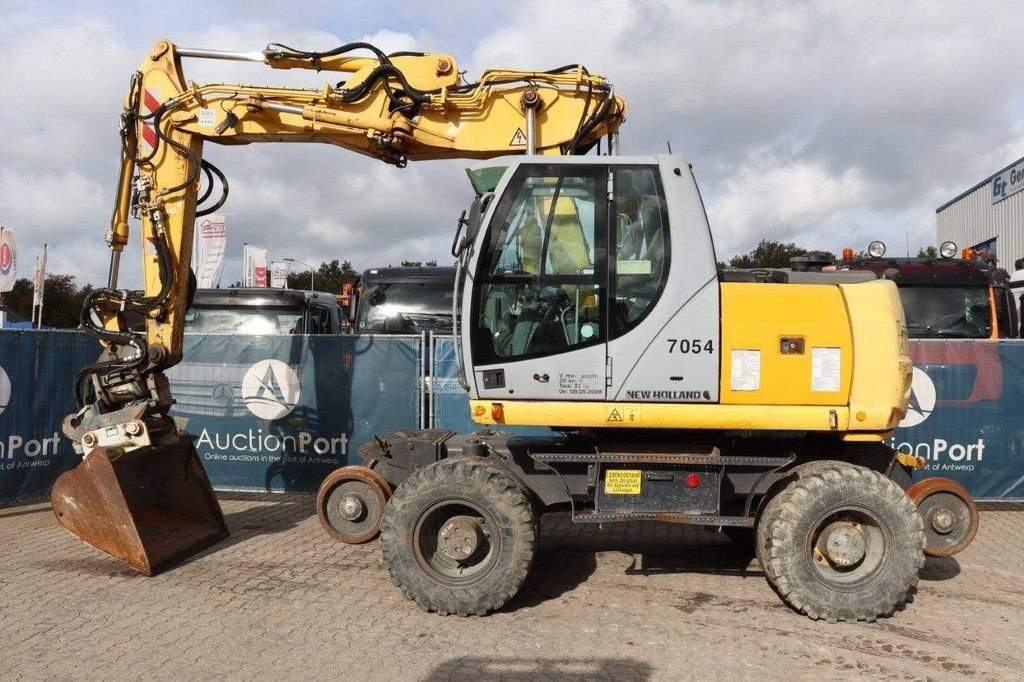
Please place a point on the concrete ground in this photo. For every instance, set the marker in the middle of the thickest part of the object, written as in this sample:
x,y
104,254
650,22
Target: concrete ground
x,y
279,599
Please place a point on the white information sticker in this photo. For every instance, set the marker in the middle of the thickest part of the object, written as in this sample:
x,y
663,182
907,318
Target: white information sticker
x,y
825,369
207,117
746,370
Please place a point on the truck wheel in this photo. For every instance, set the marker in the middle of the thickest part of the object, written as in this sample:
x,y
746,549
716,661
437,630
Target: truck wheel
x,y
459,537
842,543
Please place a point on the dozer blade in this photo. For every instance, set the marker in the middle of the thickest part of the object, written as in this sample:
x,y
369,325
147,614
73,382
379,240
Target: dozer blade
x,y
152,507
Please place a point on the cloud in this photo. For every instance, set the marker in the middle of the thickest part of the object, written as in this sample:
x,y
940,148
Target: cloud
x,y
905,98
770,200
811,122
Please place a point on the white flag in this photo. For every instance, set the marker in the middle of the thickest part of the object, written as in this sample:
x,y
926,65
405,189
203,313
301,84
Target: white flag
x,y
212,236
8,260
40,279
279,275
255,266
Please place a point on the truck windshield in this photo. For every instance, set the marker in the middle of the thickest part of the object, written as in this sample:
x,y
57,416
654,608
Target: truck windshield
x,y
936,311
406,308
243,320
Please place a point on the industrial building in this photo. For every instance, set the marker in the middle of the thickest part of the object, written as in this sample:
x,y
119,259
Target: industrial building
x,y
989,216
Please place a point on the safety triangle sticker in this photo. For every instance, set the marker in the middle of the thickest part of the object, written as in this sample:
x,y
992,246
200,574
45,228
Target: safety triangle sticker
x,y
519,139
615,416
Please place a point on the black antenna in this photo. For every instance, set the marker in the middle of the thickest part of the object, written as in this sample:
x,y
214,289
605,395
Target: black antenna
x,y
669,145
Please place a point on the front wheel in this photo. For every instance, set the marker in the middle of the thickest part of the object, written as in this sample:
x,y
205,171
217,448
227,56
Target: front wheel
x,y
842,542
459,536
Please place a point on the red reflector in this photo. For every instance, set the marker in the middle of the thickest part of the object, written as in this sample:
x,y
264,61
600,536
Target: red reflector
x,y
497,412
693,480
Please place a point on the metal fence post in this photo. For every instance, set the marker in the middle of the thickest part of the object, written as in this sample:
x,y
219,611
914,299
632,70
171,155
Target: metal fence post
x,y
421,369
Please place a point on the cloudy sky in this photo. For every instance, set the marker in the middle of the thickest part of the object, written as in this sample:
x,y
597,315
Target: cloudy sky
x,y
825,123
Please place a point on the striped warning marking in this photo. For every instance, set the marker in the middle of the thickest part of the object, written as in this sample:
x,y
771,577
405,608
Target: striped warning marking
x,y
150,103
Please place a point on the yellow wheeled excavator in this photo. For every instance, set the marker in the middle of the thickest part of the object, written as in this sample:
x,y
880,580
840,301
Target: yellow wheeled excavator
x,y
587,300
140,493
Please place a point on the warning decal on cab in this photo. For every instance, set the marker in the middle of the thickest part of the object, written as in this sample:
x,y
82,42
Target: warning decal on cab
x,y
622,482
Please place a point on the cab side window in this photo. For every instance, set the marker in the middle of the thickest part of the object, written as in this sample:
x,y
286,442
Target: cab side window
x,y
640,237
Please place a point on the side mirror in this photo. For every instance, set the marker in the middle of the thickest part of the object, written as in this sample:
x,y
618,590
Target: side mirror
x,y
471,223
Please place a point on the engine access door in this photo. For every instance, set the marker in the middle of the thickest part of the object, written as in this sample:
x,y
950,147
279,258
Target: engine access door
x,y
538,318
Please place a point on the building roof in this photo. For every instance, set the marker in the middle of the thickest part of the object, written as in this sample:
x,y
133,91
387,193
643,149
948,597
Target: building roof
x,y
978,186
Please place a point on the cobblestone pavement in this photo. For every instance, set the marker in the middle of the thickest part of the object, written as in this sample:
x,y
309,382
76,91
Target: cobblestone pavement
x,y
279,598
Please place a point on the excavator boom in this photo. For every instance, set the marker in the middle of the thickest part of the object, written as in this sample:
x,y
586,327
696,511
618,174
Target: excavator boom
x,y
141,493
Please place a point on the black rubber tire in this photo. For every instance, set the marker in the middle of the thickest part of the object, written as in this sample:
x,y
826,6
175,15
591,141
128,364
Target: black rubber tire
x,y
488,487
768,514
792,517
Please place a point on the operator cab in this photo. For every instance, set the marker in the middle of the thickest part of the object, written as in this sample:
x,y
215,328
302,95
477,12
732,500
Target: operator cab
x,y
569,270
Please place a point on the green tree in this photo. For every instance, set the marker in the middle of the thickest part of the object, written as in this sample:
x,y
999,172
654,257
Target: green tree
x,y
770,254
62,304
330,276
928,252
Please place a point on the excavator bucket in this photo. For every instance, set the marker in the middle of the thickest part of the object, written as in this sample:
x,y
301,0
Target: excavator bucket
x,y
152,507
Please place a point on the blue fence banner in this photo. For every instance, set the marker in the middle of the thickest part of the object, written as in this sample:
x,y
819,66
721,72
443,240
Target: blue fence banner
x,y
449,402
966,415
36,373
278,413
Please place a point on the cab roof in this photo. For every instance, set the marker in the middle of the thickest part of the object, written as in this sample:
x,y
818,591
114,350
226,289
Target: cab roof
x,y
260,297
949,271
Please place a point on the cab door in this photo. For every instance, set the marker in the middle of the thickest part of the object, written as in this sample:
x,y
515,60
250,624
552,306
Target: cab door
x,y
538,319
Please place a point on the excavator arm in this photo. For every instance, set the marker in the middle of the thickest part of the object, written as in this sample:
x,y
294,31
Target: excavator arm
x,y
129,496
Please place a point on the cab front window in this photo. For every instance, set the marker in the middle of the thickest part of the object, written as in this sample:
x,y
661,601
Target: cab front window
x,y
544,269
932,311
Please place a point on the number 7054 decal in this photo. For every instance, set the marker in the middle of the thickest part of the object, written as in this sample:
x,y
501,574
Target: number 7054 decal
x,y
690,346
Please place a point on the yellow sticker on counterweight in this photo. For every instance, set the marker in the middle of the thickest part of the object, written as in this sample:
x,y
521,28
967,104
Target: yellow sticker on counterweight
x,y
622,482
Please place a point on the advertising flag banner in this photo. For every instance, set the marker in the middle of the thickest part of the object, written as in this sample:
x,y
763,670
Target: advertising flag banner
x,y
40,280
8,260
279,275
255,266
212,231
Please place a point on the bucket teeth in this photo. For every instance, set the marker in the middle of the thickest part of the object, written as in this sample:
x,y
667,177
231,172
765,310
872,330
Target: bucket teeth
x,y
152,507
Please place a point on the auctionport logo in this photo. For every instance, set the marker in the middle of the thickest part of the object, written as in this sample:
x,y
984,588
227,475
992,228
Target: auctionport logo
x,y
922,399
270,389
5,390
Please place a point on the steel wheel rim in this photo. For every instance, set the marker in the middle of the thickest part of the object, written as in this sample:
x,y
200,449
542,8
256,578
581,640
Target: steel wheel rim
x,y
373,492
848,578
429,553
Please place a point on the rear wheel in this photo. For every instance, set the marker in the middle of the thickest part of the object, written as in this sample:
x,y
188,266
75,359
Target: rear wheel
x,y
459,536
841,542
